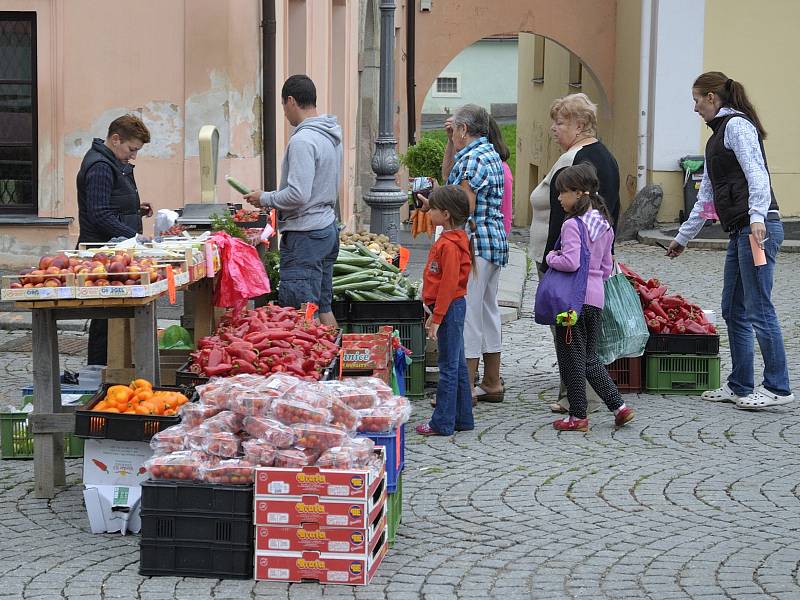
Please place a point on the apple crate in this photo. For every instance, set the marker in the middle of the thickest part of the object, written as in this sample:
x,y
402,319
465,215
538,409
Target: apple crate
x,y
12,287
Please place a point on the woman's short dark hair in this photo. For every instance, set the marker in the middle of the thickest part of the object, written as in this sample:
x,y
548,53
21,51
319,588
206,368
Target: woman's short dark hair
x,y
129,127
302,89
495,136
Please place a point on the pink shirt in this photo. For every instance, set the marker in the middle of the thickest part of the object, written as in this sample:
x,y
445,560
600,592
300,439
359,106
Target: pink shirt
x,y
506,206
569,259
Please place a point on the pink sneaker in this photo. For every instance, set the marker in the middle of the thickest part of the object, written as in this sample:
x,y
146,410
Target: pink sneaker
x,y
572,425
623,416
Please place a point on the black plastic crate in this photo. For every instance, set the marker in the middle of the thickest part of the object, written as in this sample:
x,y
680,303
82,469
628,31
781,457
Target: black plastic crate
x,y
185,376
234,501
682,343
179,526
389,311
341,310
113,426
203,559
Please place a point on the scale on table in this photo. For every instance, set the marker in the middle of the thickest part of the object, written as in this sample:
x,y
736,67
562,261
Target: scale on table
x,y
198,216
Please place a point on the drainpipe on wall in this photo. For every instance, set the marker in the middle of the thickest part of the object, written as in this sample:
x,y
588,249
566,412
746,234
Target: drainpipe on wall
x,y
411,40
268,94
642,165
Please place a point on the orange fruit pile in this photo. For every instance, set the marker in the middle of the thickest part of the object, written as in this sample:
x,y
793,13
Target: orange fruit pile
x,y
138,398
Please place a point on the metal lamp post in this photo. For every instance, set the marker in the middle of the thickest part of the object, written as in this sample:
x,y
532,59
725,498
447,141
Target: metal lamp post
x,y
385,198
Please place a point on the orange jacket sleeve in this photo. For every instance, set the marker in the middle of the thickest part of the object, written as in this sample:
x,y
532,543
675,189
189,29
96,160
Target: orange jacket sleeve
x,y
450,269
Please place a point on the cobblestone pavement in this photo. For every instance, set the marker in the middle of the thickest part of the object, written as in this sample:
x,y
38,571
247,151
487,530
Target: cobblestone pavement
x,y
692,500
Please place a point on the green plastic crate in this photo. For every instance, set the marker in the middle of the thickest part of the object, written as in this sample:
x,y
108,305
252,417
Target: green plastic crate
x,y
681,373
412,333
394,510
16,440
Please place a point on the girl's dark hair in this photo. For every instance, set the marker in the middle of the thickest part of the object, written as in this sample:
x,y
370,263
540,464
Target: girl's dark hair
x,y
731,93
583,178
496,139
455,201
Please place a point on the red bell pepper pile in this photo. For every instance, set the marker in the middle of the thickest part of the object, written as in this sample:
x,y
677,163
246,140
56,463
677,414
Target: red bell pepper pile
x,y
269,339
667,314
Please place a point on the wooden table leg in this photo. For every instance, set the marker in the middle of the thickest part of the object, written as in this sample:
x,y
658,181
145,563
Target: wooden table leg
x,y
48,448
203,308
145,350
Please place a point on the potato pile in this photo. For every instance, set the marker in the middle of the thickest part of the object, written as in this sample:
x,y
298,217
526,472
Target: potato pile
x,y
378,243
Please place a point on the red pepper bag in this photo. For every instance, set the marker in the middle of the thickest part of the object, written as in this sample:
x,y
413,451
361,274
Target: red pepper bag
x,y
242,275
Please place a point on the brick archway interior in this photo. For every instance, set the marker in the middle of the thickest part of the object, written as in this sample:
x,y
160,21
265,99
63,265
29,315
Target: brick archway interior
x,y
585,27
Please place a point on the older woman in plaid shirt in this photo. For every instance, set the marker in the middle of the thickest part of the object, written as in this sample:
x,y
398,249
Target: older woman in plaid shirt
x,y
472,162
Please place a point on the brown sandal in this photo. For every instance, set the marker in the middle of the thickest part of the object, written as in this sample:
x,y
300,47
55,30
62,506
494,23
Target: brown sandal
x,y
558,409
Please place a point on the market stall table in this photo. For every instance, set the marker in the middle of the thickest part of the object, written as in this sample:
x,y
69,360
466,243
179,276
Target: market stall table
x,y
49,421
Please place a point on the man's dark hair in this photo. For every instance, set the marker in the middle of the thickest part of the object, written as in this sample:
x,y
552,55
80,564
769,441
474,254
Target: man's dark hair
x,y
302,89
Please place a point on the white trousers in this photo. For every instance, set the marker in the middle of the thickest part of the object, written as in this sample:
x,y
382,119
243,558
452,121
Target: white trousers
x,y
482,323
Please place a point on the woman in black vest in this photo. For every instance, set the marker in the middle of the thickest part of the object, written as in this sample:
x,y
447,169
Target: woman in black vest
x,y
737,185
108,201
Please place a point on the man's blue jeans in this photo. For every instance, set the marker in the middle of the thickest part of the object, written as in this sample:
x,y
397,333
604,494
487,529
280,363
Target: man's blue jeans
x,y
453,395
747,306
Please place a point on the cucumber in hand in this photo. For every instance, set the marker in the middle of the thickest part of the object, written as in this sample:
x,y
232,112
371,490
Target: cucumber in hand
x,y
237,185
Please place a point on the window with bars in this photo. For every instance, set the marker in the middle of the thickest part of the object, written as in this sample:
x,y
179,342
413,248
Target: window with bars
x,y
448,85
18,164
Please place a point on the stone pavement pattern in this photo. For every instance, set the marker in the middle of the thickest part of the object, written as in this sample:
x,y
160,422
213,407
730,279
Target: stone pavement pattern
x,y
692,500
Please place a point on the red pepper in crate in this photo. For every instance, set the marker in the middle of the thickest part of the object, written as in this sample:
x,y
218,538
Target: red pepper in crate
x,y
654,325
655,306
696,328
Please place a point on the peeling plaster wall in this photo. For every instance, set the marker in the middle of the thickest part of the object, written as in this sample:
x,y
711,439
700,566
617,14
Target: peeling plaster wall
x,y
197,63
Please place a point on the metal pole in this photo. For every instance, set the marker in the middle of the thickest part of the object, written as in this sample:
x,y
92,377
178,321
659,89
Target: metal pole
x,y
385,198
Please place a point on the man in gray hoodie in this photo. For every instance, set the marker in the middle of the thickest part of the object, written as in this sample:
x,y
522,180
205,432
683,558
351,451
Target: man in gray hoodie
x,y
305,200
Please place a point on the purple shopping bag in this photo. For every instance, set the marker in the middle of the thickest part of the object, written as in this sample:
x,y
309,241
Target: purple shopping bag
x,y
560,291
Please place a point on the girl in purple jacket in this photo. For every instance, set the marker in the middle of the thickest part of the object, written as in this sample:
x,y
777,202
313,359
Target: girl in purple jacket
x,y
576,345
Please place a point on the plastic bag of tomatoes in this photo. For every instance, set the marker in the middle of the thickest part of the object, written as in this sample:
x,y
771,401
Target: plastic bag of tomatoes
x,y
269,430
169,440
259,452
233,471
318,437
195,413
184,465
291,412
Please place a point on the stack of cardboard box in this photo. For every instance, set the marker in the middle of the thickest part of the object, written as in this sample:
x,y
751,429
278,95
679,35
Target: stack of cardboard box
x,y
327,525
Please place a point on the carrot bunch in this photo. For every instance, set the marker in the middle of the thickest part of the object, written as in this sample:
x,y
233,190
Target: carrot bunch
x,y
421,223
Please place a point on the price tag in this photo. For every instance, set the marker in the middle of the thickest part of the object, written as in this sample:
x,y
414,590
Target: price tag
x,y
171,285
311,308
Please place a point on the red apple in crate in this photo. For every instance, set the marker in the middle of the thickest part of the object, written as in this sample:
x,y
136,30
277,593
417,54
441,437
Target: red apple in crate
x,y
101,257
116,284
27,285
134,272
131,282
115,268
60,260
52,270
101,282
124,257
50,282
44,262
36,276
15,285
73,262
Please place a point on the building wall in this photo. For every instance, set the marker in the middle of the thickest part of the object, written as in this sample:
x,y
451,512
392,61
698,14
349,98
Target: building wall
x,y
192,63
536,150
757,47
487,71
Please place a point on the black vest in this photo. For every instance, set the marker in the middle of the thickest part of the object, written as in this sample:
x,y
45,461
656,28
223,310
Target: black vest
x,y
731,194
124,199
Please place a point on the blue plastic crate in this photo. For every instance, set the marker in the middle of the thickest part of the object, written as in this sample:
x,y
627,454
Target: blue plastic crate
x,y
394,442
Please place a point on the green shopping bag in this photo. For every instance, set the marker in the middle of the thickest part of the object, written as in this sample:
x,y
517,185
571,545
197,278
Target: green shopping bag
x,y
623,330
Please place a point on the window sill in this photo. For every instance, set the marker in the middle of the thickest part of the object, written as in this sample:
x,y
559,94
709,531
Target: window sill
x,y
35,221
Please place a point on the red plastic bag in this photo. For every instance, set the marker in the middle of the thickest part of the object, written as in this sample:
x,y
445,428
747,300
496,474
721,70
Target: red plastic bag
x,y
242,275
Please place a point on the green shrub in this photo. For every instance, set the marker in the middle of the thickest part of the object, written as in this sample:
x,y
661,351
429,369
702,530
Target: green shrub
x,y
424,159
